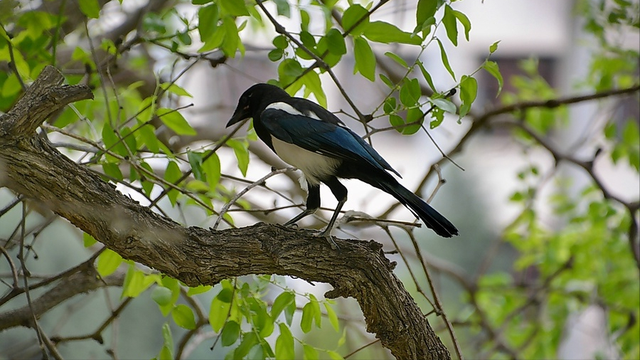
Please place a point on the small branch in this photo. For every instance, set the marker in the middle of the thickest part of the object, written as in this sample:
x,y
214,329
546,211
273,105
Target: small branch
x,y
47,91
240,194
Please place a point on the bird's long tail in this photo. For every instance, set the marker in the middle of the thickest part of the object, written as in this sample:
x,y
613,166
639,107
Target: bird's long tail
x,y
431,218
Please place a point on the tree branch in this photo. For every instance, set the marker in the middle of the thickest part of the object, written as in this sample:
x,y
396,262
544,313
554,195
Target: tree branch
x,y
197,256
83,282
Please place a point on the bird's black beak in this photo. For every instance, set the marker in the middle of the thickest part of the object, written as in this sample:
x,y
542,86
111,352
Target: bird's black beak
x,y
240,114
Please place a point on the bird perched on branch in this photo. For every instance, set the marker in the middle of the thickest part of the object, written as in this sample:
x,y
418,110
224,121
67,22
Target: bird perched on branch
x,y
309,137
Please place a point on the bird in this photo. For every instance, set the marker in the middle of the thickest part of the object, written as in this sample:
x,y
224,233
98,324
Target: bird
x,y
315,141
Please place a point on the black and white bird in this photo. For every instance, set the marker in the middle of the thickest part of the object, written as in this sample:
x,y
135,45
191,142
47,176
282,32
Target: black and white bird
x,y
312,139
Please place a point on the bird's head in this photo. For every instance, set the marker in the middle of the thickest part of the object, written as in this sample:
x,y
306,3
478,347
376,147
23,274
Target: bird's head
x,y
255,100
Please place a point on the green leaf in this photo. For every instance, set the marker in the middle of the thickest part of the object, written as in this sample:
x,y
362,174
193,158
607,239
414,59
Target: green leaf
x,y
230,333
304,20
313,85
493,47
183,317
249,339
172,174
112,170
351,16
333,318
438,115
90,8
214,40
280,42
108,262
147,186
492,68
284,344
445,105
464,20
383,32
426,9
161,295
445,59
450,24
308,40
88,240
218,313
146,135
289,311
334,355
426,76
281,302
283,7
400,124
387,81
146,109
275,54
390,105
307,317
129,140
11,86
231,41
166,336
630,135
335,42
410,92
200,289
241,150
397,59
468,93
317,314
112,142
233,7
309,352
365,60
175,89
288,71
136,282
212,170
175,121
195,160
165,354
330,58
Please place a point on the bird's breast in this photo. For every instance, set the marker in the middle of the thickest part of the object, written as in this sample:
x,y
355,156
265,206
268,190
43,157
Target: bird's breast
x,y
316,167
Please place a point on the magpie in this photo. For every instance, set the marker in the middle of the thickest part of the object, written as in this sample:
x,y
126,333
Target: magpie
x,y
312,139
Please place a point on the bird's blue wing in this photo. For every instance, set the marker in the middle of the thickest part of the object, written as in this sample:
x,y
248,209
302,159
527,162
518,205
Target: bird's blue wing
x,y
329,139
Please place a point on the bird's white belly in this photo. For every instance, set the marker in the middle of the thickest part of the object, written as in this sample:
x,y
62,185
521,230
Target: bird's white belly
x,y
314,166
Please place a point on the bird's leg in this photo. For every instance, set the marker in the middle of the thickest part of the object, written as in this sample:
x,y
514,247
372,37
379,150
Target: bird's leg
x,y
340,192
326,233
313,203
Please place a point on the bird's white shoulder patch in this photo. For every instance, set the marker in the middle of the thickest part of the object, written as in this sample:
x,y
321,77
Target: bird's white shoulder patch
x,y
291,110
284,107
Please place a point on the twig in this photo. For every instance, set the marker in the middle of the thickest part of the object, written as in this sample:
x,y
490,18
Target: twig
x,y
233,200
361,348
436,298
25,273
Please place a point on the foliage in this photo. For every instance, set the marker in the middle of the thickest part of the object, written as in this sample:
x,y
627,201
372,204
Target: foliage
x,y
126,134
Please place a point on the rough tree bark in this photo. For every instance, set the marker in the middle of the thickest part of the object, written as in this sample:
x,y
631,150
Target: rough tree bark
x,y
30,166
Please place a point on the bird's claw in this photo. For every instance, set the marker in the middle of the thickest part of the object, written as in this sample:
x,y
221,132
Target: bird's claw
x,y
327,235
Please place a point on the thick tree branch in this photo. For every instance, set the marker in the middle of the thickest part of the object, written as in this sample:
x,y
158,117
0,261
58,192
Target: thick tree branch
x,y
198,256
